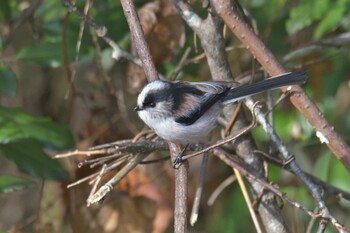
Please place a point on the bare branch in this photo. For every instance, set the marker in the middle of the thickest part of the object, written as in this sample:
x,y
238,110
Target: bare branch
x,y
101,31
139,39
210,33
314,189
335,41
199,190
181,196
300,100
25,16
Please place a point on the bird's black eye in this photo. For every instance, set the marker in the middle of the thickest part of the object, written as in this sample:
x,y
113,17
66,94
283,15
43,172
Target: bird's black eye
x,y
149,102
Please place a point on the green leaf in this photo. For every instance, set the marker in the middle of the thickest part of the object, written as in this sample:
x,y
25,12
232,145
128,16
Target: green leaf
x,y
16,125
298,18
329,21
8,82
1,42
13,183
31,159
5,10
46,54
320,8
49,11
338,175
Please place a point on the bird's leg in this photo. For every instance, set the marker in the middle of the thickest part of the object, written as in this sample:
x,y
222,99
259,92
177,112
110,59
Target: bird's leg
x,y
178,159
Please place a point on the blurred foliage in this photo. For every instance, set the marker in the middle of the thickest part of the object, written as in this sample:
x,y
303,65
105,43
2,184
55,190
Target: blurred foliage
x,y
284,25
22,138
8,82
12,183
327,15
31,159
17,125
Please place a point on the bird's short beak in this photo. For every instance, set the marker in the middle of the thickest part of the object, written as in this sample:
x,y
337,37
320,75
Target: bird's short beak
x,y
137,108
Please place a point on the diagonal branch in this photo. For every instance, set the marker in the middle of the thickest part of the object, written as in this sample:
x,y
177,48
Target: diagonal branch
x,y
209,32
139,39
324,130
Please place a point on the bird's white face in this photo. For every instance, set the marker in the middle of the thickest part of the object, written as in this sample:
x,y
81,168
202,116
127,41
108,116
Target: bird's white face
x,y
153,103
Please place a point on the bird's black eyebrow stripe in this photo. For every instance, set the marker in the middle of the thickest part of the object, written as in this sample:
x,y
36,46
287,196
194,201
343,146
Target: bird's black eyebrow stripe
x,y
149,99
156,96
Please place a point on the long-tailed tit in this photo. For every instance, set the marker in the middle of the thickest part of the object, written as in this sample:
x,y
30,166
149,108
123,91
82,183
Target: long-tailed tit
x,y
186,112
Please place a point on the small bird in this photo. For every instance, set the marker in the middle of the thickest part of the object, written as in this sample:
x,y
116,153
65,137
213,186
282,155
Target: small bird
x,y
186,112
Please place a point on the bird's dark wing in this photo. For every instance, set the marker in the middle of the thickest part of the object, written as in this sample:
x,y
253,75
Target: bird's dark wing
x,y
196,102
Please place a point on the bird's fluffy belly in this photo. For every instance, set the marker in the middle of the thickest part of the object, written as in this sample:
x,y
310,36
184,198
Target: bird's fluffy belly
x,y
184,134
168,129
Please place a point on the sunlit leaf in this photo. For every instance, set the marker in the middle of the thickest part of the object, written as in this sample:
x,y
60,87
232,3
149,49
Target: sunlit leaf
x,y
10,183
329,21
8,82
31,159
16,125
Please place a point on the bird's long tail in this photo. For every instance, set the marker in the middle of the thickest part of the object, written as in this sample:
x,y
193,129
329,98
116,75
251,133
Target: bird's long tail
x,y
287,79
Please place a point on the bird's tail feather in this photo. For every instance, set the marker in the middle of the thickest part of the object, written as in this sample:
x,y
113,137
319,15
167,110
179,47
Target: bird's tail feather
x,y
287,79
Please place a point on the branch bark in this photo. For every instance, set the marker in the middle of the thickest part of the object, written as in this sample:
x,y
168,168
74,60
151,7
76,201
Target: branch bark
x,y
270,63
210,33
139,39
181,192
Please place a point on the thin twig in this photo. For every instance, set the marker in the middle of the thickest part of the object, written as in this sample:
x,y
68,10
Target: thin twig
x,y
77,49
109,168
232,120
247,200
322,226
228,181
180,65
65,58
221,155
107,187
23,18
314,189
81,152
97,181
101,31
228,139
311,222
115,90
199,190
336,41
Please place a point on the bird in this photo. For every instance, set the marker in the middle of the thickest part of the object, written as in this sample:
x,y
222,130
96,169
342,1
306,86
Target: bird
x,y
186,112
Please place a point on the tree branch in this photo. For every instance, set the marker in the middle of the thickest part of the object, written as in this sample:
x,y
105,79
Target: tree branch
x,y
181,192
299,99
210,33
139,39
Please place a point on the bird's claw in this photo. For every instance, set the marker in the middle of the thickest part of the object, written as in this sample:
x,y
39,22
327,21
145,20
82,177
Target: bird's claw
x,y
178,161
